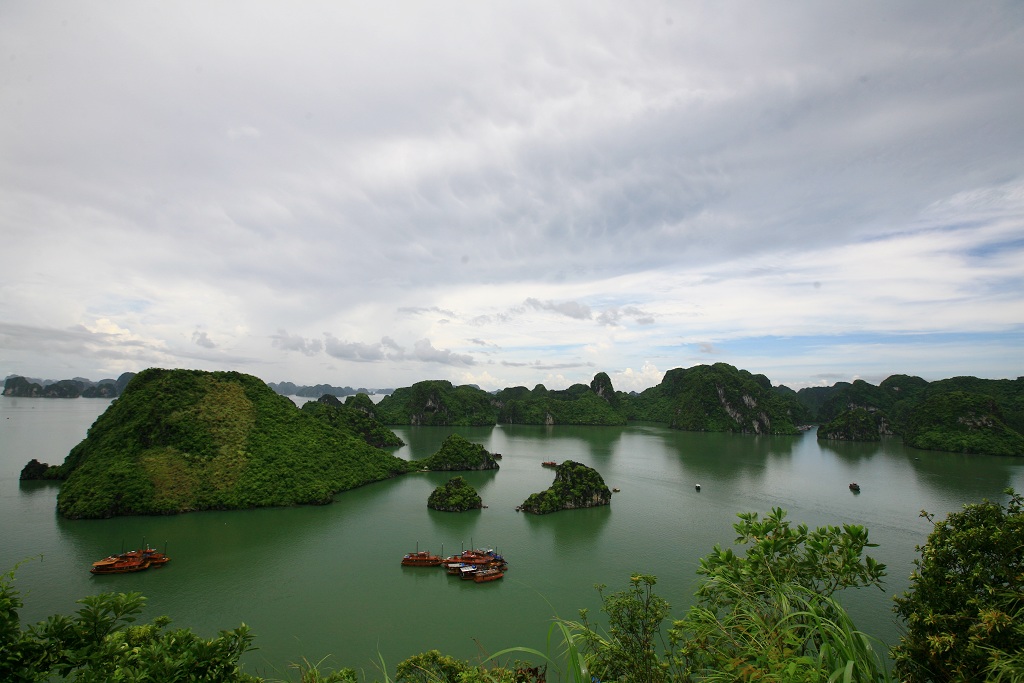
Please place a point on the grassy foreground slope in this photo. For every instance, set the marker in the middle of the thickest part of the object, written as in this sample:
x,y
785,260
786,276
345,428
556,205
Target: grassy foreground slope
x,y
183,440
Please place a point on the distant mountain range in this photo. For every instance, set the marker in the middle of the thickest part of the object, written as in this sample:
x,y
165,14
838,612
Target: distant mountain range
x,y
80,387
960,414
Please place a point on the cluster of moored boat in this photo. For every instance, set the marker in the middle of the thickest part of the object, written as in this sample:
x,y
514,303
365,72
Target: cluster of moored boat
x,y
131,561
479,566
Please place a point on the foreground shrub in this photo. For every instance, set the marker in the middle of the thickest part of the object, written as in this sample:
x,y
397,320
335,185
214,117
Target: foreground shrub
x,y
966,598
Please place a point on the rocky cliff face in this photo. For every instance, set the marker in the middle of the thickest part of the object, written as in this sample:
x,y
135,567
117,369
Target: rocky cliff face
x,y
857,424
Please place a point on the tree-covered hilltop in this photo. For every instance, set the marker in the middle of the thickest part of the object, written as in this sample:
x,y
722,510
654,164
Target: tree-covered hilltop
x,y
437,403
714,398
580,404
961,422
858,424
458,453
349,417
575,486
960,414
455,496
184,440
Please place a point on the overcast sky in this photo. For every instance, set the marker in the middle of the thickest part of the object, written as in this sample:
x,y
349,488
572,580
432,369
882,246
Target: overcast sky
x,y
512,193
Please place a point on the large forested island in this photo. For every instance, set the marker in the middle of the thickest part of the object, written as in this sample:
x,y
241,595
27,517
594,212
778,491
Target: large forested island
x,y
182,440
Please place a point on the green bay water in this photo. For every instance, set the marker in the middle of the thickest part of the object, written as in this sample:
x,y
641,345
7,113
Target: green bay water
x,y
325,581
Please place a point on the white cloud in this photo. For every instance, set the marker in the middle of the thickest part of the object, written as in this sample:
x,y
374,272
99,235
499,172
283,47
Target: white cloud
x,y
509,190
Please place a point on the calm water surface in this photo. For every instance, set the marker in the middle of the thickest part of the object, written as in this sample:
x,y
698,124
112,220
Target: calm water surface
x,y
326,581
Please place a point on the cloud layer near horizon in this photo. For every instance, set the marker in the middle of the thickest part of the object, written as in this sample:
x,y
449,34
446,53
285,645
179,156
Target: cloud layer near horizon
x,y
512,193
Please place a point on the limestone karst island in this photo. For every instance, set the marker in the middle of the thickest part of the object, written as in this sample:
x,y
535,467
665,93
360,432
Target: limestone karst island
x,y
182,440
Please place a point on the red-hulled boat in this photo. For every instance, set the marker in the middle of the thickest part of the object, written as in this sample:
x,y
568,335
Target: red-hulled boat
x,y
480,558
421,558
131,561
484,575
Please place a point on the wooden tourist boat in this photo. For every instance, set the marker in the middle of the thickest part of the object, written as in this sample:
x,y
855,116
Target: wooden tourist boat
x,y
155,559
549,463
119,564
421,558
484,575
477,557
131,561
468,571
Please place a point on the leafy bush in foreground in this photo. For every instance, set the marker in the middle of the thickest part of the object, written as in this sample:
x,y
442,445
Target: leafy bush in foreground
x,y
965,605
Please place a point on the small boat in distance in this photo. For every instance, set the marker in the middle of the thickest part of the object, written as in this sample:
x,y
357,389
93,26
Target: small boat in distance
x,y
549,463
855,487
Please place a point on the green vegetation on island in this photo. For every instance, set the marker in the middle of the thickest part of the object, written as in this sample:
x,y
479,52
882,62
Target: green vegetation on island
x,y
458,453
438,403
961,422
960,415
184,440
349,416
769,613
714,398
577,405
454,496
575,486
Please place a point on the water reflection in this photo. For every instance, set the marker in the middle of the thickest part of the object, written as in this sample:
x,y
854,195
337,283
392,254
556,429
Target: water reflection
x,y
851,451
956,475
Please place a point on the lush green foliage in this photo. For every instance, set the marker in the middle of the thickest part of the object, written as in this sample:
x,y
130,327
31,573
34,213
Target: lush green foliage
x,y
1008,394
629,650
961,422
822,561
966,599
858,424
773,632
714,398
181,440
458,453
584,409
437,403
348,417
575,486
767,616
454,496
34,470
98,644
961,414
